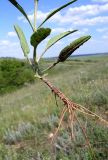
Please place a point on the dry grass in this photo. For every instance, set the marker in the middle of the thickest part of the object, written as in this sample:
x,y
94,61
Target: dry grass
x,y
83,82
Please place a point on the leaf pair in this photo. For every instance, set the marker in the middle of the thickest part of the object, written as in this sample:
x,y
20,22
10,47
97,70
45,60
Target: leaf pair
x,y
18,6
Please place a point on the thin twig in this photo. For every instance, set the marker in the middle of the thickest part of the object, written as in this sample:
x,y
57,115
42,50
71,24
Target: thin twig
x,y
86,138
72,112
60,122
50,67
56,99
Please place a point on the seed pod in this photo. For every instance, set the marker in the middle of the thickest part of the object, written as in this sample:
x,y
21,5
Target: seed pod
x,y
67,51
39,36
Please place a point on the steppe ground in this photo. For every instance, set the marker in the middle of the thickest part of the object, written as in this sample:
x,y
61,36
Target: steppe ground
x,y
30,114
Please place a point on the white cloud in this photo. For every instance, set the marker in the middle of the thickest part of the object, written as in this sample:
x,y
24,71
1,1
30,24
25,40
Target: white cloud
x,y
104,32
12,49
105,36
4,42
40,16
101,1
77,34
85,15
8,43
72,18
85,10
21,18
82,31
58,30
82,15
101,30
11,34
92,21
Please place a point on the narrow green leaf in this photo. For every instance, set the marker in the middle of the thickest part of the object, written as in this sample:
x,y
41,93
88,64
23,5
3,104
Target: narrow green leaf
x,y
55,11
17,5
39,36
23,42
67,51
58,37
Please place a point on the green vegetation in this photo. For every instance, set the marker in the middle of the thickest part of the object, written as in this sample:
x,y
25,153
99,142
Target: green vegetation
x,y
14,74
29,115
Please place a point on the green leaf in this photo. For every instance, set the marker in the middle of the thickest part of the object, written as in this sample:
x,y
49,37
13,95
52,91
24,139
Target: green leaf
x,y
23,42
67,51
17,5
55,11
39,36
56,38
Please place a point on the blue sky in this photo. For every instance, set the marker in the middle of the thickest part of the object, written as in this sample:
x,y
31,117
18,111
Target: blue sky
x,y
90,17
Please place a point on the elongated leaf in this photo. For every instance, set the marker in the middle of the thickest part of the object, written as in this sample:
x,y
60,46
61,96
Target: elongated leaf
x,y
56,38
23,42
17,5
67,51
39,36
55,11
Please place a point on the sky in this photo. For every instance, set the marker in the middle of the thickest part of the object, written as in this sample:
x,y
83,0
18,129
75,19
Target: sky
x,y
90,17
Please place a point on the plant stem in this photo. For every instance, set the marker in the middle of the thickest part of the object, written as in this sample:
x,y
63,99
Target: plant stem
x,y
34,55
35,59
57,92
35,16
50,67
35,13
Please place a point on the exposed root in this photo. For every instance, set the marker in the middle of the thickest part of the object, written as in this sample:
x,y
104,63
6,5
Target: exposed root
x,y
56,99
86,138
71,121
71,105
60,122
71,108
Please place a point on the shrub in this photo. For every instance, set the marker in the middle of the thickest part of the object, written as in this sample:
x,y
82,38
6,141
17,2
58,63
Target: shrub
x,y
14,73
14,136
98,98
